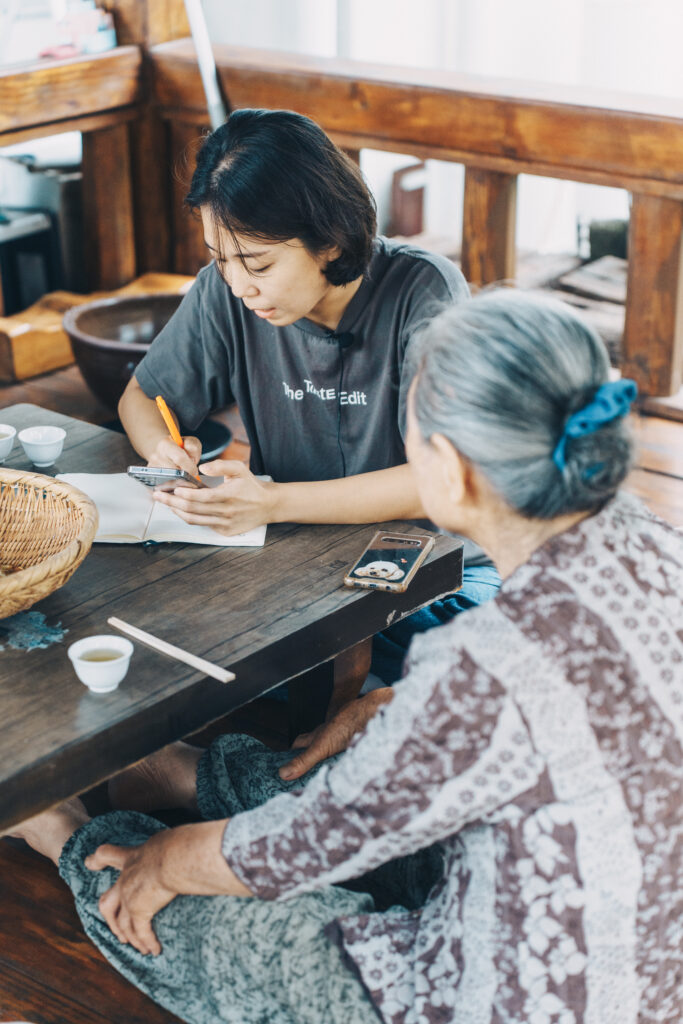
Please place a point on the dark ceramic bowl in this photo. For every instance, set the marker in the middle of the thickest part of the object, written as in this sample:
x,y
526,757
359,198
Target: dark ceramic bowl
x,y
109,337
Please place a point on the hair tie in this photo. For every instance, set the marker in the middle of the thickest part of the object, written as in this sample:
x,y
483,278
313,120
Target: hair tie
x,y
610,402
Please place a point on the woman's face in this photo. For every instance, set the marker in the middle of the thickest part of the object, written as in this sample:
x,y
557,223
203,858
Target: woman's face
x,y
278,281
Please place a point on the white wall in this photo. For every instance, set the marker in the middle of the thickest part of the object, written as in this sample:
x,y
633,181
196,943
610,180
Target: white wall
x,y
300,26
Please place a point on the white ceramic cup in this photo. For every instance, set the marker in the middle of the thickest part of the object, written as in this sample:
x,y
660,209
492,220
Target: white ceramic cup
x,y
7,435
105,675
43,445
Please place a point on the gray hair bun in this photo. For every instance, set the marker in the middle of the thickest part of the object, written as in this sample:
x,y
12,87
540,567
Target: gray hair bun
x,y
499,375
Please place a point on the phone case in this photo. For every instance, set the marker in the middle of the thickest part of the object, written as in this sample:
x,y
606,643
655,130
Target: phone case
x,y
389,562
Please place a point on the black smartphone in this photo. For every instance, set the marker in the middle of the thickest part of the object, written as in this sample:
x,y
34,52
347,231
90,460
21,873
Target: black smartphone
x,y
389,562
162,479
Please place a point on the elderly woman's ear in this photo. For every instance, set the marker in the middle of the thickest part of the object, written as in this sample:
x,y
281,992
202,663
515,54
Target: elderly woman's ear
x,y
453,473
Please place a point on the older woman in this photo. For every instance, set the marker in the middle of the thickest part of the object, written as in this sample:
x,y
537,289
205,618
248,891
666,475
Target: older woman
x,y
511,816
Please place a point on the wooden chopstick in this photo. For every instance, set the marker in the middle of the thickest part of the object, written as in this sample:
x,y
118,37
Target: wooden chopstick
x,y
207,667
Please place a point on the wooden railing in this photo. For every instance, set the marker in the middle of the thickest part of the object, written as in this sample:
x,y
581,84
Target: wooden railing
x,y
498,130
142,111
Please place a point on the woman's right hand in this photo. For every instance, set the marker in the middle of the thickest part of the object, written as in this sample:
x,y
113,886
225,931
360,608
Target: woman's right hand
x,y
334,736
171,456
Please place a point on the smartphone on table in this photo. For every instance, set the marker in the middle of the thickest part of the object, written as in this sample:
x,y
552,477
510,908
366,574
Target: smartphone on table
x,y
389,562
163,479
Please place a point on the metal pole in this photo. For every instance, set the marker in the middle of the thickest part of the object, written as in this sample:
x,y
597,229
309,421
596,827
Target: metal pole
x,y
207,65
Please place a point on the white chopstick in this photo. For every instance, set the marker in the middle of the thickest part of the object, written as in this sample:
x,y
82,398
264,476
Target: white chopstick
x,y
207,667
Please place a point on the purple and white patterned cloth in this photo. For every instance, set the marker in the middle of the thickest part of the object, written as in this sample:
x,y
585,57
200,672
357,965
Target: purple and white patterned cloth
x,y
538,739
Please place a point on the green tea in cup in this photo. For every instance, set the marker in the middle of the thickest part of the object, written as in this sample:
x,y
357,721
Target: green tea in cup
x,y
101,655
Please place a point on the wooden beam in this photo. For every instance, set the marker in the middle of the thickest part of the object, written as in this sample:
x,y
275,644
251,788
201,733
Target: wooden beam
x,y
49,91
108,208
90,123
489,220
187,235
349,141
636,138
653,333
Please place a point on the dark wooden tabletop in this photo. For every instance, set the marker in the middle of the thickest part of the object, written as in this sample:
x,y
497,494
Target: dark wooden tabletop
x,y
268,614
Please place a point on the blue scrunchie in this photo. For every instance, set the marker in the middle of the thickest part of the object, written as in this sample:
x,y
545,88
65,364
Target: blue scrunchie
x,y
611,401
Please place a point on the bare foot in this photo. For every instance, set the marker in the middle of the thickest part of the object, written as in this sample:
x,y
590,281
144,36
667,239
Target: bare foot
x,y
166,779
47,832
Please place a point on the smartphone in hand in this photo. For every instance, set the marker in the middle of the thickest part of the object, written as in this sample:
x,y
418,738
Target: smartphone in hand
x,y
163,479
389,562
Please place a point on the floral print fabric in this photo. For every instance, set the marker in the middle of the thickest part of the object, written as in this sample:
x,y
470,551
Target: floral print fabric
x,y
538,739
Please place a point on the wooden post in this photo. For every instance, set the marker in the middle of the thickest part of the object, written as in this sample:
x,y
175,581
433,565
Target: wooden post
x,y
488,232
653,333
189,252
151,169
147,23
353,154
108,208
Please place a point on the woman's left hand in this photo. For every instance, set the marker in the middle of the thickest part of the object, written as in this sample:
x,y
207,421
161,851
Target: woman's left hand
x,y
138,893
186,860
240,503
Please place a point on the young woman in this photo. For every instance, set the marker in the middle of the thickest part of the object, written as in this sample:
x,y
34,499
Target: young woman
x,y
306,320
526,770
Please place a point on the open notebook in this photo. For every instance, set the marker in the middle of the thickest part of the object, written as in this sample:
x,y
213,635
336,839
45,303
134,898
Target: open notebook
x,y
129,515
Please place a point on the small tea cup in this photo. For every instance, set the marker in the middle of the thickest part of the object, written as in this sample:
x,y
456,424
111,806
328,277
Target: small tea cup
x,y
43,445
101,662
7,435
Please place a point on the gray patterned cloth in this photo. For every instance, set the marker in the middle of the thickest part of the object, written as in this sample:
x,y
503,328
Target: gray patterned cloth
x,y
227,960
538,739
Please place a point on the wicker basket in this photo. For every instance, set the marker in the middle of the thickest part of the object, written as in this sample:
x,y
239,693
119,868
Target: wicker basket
x,y
46,530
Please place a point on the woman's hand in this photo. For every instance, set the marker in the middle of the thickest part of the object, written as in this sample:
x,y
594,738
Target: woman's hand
x,y
170,455
183,860
335,735
240,503
139,892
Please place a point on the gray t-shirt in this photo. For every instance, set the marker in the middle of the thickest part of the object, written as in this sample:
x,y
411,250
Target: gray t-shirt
x,y
316,405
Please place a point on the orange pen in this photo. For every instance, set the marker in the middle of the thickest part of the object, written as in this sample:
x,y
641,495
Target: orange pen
x,y
170,422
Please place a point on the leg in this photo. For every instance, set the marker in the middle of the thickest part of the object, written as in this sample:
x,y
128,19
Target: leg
x,y
237,773
480,584
47,833
350,671
166,779
226,959
234,774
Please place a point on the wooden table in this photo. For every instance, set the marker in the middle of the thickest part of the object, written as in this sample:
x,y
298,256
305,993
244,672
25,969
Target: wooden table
x,y
269,614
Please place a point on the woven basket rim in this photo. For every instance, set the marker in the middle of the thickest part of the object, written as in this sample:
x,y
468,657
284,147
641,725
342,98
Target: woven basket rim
x,y
56,562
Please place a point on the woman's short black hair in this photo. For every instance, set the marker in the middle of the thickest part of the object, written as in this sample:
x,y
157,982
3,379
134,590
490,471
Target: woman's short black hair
x,y
274,174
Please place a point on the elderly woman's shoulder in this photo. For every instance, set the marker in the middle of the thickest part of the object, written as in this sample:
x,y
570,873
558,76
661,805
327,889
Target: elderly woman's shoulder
x,y
606,591
625,540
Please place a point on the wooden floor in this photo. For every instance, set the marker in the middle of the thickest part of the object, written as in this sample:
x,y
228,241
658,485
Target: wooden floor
x,y
49,972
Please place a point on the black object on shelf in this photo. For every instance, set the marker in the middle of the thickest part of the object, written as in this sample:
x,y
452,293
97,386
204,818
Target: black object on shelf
x,y
608,238
30,262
